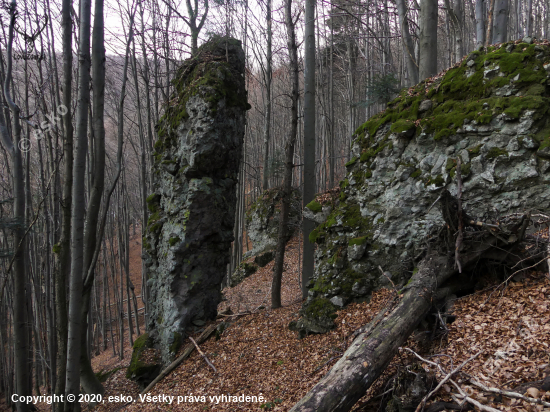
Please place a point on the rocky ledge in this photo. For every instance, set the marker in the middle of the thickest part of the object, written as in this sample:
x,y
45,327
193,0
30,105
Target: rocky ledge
x,y
491,111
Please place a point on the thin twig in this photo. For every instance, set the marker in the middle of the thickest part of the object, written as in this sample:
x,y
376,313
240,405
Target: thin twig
x,y
437,365
203,355
444,380
473,401
387,277
508,394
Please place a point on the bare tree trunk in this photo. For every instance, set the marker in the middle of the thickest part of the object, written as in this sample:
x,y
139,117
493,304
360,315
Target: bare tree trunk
x,y
427,61
500,24
195,29
529,25
90,383
12,146
309,140
408,45
489,37
331,105
289,159
64,246
268,75
480,24
455,14
72,382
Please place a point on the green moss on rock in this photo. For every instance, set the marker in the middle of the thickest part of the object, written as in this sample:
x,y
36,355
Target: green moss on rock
x,y
467,93
314,206
416,173
320,308
475,151
358,241
496,152
176,343
138,370
153,202
351,162
349,215
174,241
441,134
210,79
244,270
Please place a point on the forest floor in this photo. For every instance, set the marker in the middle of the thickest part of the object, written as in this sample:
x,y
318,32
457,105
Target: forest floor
x,y
257,355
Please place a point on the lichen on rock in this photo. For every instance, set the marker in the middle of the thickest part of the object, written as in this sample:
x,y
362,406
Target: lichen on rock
x,y
491,111
192,207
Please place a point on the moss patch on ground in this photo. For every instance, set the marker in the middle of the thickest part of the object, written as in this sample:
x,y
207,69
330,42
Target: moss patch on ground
x,y
320,310
138,370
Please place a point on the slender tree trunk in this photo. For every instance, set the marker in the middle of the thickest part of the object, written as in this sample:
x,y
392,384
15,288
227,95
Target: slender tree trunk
x,y
489,36
455,14
72,385
65,240
268,75
289,158
309,140
408,45
351,91
529,23
331,104
480,24
19,274
427,61
500,23
88,379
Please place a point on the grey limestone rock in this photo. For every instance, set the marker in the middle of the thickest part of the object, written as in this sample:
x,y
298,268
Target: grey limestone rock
x,y
262,220
197,157
383,214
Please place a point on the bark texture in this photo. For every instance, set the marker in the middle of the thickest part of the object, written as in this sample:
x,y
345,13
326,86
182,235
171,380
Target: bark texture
x,y
427,60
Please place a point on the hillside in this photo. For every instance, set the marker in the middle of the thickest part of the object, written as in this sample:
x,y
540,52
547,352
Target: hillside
x,y
370,239
258,354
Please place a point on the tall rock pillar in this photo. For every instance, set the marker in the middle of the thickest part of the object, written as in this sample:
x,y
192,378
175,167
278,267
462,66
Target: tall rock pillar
x,y
192,207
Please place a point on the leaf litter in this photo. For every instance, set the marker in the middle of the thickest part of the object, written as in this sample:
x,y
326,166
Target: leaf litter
x,y
257,355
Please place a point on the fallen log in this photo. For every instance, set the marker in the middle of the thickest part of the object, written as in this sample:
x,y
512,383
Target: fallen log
x,y
371,351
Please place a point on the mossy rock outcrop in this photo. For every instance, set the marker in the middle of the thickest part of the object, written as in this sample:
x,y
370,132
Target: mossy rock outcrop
x,y
262,220
192,208
492,112
142,368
